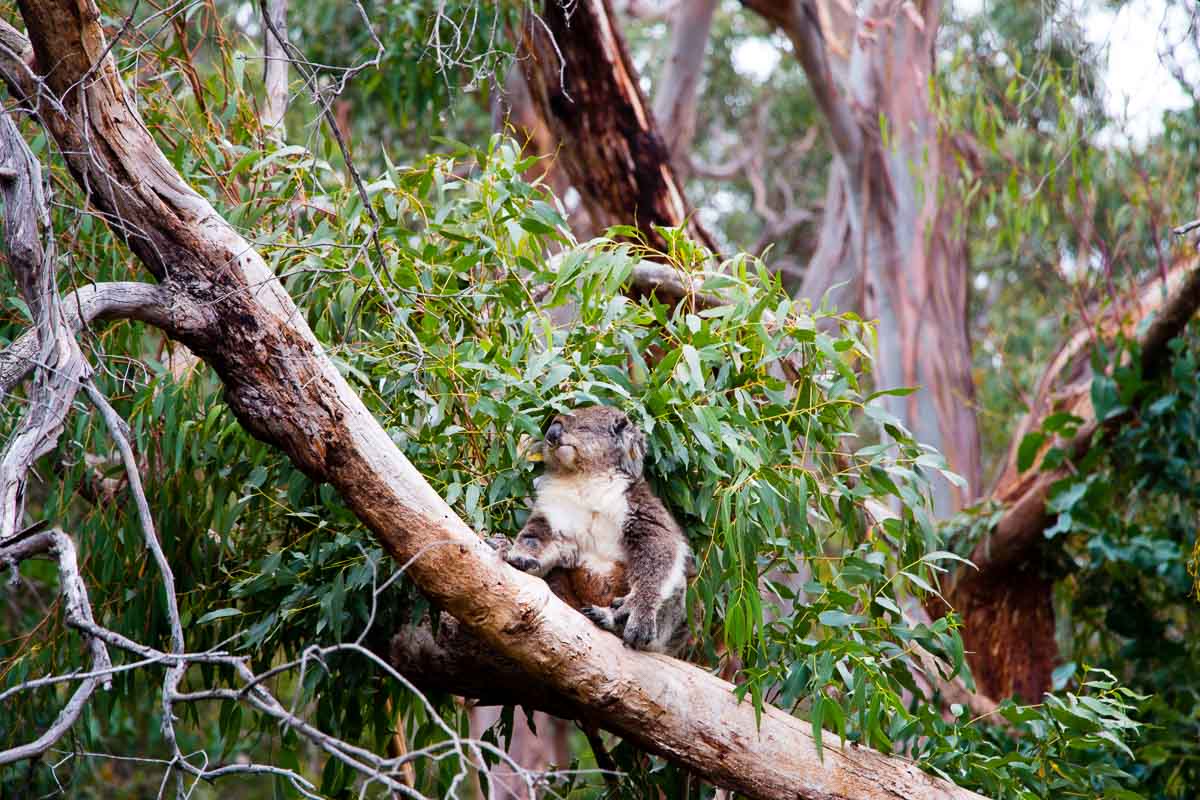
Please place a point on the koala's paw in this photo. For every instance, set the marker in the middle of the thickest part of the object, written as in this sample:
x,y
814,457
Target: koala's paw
x,y
499,543
640,631
525,564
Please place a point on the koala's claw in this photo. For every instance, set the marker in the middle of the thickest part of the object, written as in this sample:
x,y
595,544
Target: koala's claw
x,y
524,563
603,617
608,618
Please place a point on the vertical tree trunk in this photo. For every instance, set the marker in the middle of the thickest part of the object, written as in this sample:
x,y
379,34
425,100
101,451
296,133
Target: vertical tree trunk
x,y
676,96
889,235
275,68
585,87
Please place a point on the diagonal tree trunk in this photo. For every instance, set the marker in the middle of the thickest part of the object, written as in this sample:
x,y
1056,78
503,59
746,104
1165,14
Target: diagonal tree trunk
x,y
284,390
1007,603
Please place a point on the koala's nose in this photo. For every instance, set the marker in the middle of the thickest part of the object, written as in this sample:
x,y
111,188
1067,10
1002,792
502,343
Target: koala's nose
x,y
554,434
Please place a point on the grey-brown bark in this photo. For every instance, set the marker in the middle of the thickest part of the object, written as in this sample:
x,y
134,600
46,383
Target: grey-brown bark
x,y
284,390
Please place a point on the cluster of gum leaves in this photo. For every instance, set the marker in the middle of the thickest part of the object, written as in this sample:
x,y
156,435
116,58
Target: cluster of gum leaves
x,y
483,320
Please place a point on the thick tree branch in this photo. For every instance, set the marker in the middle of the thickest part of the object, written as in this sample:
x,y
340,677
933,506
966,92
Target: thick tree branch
x,y
800,20
61,366
285,391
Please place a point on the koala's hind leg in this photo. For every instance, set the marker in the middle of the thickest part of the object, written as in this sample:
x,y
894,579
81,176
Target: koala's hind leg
x,y
655,604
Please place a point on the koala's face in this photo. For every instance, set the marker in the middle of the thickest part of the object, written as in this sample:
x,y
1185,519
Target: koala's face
x,y
594,439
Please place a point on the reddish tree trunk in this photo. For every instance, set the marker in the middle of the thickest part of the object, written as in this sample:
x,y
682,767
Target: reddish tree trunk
x,y
585,87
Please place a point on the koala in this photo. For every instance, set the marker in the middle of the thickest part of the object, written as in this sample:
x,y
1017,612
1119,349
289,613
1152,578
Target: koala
x,y
596,519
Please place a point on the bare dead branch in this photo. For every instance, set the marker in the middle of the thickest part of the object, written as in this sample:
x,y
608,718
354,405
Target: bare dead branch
x,y
77,611
106,301
61,365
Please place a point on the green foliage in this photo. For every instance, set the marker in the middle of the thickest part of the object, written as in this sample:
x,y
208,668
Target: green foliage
x,y
460,356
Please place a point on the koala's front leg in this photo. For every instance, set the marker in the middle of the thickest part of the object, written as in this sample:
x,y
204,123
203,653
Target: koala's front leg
x,y
610,618
536,550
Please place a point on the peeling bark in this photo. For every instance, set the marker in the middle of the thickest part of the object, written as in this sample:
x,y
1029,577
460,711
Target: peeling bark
x,y
888,234
584,85
284,390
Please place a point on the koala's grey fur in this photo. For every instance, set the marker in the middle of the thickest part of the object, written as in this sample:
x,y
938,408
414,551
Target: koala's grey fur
x,y
595,512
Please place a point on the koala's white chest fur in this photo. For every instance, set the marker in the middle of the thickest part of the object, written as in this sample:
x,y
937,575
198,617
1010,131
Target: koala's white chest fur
x,y
588,512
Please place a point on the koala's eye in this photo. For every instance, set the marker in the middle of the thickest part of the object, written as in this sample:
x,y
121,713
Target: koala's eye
x,y
620,425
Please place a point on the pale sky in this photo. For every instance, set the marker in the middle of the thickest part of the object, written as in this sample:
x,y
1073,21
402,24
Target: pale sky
x,y
1137,86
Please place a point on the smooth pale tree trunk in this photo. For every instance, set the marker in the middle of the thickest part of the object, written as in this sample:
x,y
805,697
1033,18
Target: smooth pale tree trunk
x,y
676,97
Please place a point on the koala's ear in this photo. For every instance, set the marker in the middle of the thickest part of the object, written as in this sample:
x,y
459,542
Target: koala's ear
x,y
633,451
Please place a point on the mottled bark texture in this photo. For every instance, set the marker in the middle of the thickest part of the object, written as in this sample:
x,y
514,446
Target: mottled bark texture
x,y
284,389
585,87
889,241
